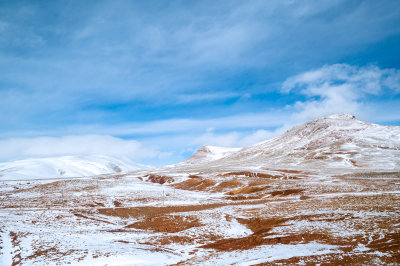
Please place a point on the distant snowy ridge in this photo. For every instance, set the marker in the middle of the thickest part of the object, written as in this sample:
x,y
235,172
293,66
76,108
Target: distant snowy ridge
x,y
66,166
336,142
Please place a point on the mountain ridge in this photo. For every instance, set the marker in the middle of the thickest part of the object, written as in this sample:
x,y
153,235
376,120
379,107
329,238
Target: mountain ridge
x,y
338,141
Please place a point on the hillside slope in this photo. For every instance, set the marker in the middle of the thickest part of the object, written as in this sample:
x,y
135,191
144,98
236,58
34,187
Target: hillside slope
x,y
334,142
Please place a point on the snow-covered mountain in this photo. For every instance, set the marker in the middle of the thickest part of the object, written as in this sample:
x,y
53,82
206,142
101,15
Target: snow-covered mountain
x,y
334,142
66,166
210,153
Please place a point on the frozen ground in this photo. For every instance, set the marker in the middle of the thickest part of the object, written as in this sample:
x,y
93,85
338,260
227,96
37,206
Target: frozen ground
x,y
215,219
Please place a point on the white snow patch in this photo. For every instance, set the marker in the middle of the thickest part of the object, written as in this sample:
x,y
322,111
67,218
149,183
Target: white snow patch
x,y
269,253
5,256
137,257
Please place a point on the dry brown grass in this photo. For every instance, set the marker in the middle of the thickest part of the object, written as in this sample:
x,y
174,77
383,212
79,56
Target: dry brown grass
x,y
260,182
255,240
390,242
286,192
229,184
260,225
246,190
337,259
159,179
117,203
127,212
167,224
195,176
155,211
195,184
15,241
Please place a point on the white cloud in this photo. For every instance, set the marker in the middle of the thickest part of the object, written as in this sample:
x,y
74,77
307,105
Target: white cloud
x,y
339,88
21,148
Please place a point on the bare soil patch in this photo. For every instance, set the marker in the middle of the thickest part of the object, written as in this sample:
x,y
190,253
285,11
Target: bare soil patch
x,y
229,184
260,236
146,211
43,252
155,211
261,226
255,240
390,242
15,241
195,184
337,259
49,253
167,224
195,176
160,179
117,203
304,197
286,192
261,182
247,190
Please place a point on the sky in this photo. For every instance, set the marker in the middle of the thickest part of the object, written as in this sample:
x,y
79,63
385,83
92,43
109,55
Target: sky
x,y
153,81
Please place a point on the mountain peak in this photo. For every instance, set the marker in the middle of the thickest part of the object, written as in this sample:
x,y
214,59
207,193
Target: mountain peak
x,y
210,153
328,125
335,142
342,116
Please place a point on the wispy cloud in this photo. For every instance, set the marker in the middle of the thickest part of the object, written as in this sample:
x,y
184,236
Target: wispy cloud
x,y
162,53
340,88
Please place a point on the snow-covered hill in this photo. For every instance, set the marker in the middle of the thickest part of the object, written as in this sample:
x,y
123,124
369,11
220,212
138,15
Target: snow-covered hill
x,y
210,153
335,142
66,166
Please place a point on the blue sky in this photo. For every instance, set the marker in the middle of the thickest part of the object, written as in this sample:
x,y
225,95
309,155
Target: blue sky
x,y
155,80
